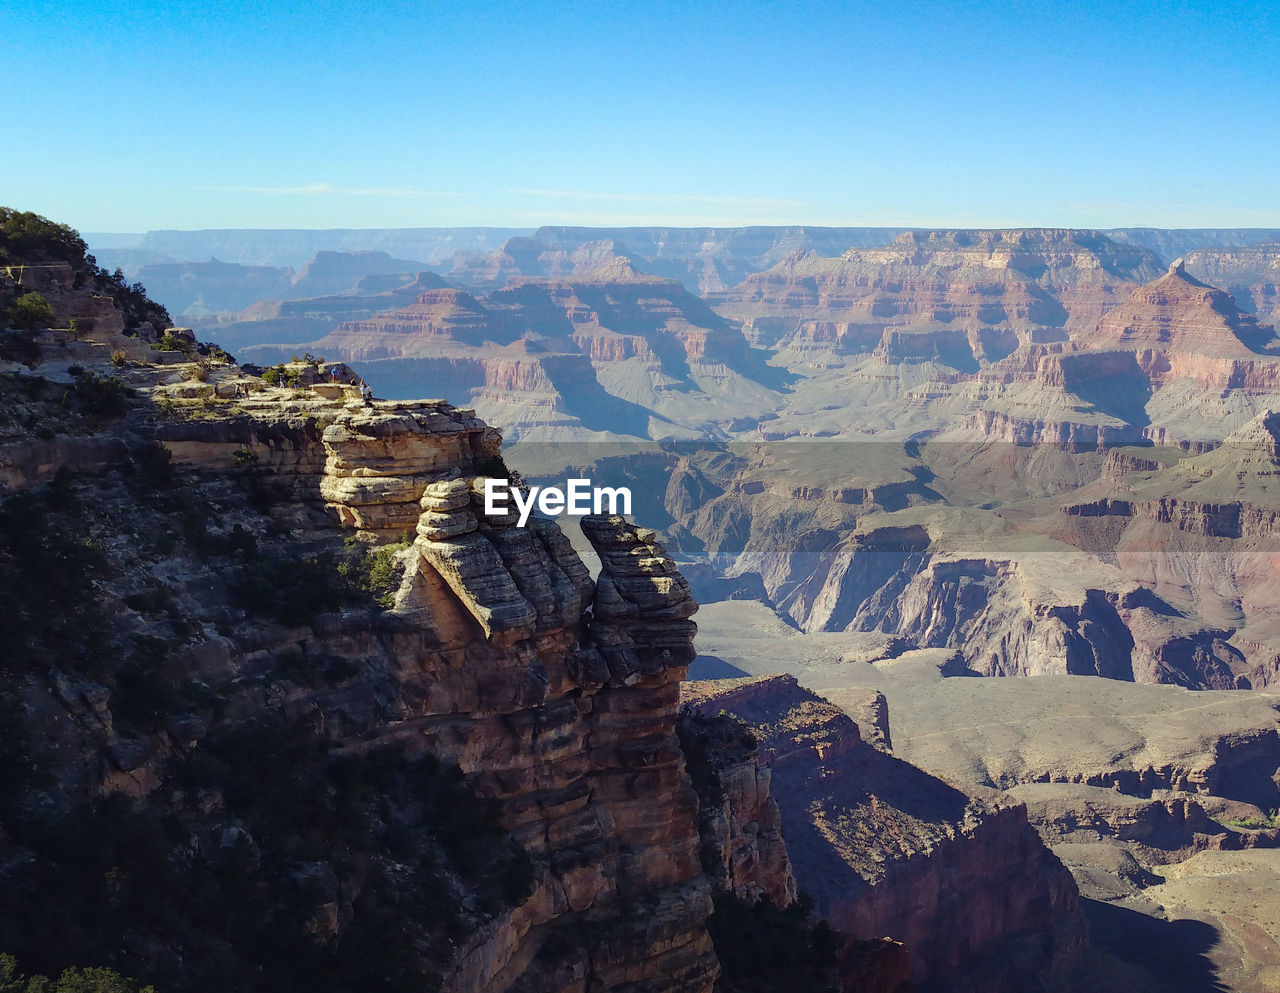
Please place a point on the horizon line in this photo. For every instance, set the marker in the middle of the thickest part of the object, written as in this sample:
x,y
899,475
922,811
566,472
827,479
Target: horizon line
x,y
693,227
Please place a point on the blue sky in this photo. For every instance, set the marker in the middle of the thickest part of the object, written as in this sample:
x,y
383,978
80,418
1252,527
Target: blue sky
x,y
130,116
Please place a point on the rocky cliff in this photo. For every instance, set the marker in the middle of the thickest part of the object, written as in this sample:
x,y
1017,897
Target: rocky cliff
x,y
743,850
887,850
1250,273
962,297
276,658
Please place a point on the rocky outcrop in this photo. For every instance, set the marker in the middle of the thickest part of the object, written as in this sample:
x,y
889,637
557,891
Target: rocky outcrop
x,y
743,850
561,704
886,850
1178,313
1166,826
1009,615
378,463
869,709
71,294
1250,273
553,695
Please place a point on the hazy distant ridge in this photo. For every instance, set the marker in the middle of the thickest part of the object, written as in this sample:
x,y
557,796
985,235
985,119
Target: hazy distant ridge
x,y
436,247
295,247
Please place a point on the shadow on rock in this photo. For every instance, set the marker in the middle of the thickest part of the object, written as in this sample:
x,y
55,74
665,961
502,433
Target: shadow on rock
x,y
1172,952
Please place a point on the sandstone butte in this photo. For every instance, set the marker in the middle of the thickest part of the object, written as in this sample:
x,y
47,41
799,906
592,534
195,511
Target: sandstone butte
x,y
555,695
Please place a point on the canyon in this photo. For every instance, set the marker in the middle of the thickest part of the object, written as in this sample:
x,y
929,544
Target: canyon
x,y
272,656
886,463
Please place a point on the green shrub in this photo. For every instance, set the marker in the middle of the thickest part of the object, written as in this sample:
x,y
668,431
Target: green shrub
x,y
294,590
170,342
132,299
91,980
29,237
281,375
374,573
30,312
99,394
1271,819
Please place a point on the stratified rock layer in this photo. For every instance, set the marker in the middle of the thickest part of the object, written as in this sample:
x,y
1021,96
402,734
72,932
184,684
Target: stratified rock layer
x,y
887,850
566,716
742,845
554,695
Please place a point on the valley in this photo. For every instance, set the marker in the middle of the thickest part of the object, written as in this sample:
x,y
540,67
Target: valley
x,y
891,464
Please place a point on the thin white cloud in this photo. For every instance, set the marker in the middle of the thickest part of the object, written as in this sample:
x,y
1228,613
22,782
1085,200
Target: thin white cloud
x,y
763,203
329,190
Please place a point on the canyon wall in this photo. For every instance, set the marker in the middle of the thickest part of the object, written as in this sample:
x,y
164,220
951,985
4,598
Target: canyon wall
x,y
886,850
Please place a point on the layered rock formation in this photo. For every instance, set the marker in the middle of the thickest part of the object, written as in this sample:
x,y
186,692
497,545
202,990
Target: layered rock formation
x,y
743,850
884,849
609,350
553,695
1181,315
1250,273
65,289
1012,523
1036,466
327,572
556,712
1156,798
303,319
957,297
705,260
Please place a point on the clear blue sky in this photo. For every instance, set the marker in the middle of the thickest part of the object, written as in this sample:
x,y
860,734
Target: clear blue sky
x,y
124,117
